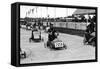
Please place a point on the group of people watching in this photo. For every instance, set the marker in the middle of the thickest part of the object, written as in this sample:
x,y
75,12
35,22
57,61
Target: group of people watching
x,y
90,31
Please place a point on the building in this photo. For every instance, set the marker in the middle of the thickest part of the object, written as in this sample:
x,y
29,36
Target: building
x,y
87,13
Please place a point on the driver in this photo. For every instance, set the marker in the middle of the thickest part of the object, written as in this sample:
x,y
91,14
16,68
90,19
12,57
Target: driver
x,y
52,34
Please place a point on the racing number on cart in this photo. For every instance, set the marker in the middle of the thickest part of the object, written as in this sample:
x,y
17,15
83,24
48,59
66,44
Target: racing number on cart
x,y
59,44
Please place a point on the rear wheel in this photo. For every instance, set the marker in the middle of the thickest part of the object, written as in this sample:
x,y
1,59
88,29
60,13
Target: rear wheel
x,y
30,39
65,47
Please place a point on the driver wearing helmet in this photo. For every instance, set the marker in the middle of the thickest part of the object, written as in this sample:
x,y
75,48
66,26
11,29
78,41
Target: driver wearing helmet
x,y
52,34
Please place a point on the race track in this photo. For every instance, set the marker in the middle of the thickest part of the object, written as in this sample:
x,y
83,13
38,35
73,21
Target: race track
x,y
36,52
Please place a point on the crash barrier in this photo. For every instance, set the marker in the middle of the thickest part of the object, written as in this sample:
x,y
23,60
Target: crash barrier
x,y
70,31
73,28
71,25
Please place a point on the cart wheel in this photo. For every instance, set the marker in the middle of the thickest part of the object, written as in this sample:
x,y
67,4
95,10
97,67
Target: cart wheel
x,y
65,47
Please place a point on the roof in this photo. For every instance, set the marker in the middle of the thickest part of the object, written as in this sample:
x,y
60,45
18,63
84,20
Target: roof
x,y
84,11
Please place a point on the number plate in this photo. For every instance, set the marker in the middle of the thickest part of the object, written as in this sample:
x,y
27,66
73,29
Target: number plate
x,y
58,44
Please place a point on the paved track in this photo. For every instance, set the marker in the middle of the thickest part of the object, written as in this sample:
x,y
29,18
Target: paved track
x,y
36,52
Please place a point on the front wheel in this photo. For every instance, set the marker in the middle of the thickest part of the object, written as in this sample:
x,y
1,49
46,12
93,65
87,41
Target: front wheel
x,y
65,47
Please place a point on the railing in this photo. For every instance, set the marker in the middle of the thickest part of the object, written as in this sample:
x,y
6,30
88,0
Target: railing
x,y
70,25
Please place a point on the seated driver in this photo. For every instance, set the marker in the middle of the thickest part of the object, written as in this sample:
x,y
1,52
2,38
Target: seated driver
x,y
52,33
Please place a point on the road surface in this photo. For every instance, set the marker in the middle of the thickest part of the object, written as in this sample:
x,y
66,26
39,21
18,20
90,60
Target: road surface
x,y
36,53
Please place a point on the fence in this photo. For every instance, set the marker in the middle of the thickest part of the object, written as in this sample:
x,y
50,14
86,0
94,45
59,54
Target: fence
x,y
70,25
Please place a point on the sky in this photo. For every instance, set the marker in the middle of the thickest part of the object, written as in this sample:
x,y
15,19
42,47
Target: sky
x,y
45,11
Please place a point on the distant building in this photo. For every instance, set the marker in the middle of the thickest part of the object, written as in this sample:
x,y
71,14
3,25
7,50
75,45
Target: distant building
x,y
84,12
87,13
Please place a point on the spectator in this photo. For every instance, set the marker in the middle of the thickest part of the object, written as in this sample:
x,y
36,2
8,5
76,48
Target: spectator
x,y
90,27
94,19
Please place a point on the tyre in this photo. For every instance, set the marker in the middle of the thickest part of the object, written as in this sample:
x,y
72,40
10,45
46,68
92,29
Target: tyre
x,y
29,39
